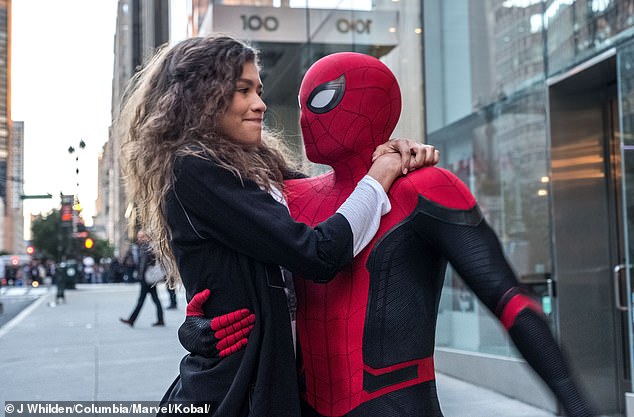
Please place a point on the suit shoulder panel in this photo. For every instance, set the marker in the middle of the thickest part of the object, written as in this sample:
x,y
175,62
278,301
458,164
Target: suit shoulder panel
x,y
437,185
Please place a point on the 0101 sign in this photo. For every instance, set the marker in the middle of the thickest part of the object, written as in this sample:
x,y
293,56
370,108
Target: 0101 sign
x,y
255,23
354,25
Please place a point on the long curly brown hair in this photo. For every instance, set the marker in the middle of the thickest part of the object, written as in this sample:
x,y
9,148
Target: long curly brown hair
x,y
170,109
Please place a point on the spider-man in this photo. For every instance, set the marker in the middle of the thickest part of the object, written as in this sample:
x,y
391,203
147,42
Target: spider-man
x,y
366,338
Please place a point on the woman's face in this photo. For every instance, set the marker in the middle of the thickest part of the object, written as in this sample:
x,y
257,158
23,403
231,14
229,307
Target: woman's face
x,y
242,121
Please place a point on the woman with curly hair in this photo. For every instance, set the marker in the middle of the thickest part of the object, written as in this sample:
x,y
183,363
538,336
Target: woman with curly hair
x,y
208,183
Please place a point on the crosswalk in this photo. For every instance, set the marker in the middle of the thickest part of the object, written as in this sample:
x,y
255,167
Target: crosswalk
x,y
26,291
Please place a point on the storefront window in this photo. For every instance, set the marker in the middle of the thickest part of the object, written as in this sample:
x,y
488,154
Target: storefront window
x,y
500,154
486,71
578,29
485,106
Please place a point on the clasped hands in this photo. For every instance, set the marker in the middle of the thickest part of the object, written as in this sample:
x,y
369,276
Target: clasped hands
x,y
413,154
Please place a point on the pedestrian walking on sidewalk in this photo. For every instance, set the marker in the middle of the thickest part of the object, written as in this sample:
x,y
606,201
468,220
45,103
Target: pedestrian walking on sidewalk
x,y
60,281
146,259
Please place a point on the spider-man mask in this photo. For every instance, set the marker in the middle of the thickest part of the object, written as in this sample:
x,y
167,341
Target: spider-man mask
x,y
350,104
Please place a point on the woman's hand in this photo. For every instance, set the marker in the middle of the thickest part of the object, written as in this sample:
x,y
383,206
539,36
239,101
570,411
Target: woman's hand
x,y
386,168
413,154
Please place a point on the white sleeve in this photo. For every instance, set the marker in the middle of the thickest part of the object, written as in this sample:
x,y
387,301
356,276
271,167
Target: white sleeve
x,y
363,210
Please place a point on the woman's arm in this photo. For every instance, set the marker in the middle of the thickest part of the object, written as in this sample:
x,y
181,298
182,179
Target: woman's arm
x,y
218,206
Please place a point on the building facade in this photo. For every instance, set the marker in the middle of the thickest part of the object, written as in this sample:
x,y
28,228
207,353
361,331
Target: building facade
x,y
530,102
6,170
142,26
11,147
16,217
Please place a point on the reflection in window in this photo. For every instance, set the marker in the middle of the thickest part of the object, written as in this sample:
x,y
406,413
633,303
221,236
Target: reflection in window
x,y
500,153
486,66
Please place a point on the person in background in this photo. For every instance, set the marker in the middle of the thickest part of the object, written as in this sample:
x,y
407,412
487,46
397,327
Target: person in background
x,y
60,282
172,295
130,263
146,258
115,270
209,185
89,269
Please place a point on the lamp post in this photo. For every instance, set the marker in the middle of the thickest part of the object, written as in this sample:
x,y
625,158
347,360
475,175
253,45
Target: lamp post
x,y
76,206
71,151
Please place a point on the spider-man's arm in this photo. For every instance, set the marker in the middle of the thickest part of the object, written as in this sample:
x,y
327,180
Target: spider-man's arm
x,y
473,249
217,337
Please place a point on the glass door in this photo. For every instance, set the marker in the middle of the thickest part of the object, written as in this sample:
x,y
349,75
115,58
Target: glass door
x,y
625,75
590,263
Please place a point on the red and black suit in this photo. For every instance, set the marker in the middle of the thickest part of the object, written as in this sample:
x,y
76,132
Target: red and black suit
x,y
367,337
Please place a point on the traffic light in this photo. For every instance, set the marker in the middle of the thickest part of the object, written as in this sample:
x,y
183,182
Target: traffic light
x,y
30,250
88,243
67,208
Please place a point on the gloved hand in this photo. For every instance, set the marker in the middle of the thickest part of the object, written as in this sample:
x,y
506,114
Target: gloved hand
x,y
217,337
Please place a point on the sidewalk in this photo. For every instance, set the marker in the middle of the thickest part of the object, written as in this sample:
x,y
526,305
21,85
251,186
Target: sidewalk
x,y
79,351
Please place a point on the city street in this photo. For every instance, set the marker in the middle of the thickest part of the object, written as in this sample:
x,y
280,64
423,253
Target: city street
x,y
15,299
79,351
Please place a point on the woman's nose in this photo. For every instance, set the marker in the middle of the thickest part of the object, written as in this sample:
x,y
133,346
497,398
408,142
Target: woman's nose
x,y
259,105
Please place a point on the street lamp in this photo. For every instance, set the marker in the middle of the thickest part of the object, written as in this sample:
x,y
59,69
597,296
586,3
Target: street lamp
x,y
71,150
76,206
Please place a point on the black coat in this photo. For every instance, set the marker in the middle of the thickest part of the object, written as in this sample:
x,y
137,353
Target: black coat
x,y
146,258
231,237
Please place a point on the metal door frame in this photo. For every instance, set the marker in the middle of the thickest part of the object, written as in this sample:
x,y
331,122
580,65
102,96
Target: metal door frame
x,y
602,70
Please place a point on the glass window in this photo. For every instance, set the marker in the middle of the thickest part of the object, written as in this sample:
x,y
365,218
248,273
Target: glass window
x,y
626,94
500,153
485,107
477,53
486,65
582,28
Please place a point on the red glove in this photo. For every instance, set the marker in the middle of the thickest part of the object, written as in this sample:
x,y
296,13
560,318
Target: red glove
x,y
218,337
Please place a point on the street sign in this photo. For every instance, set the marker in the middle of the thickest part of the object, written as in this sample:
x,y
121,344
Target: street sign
x,y
30,197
